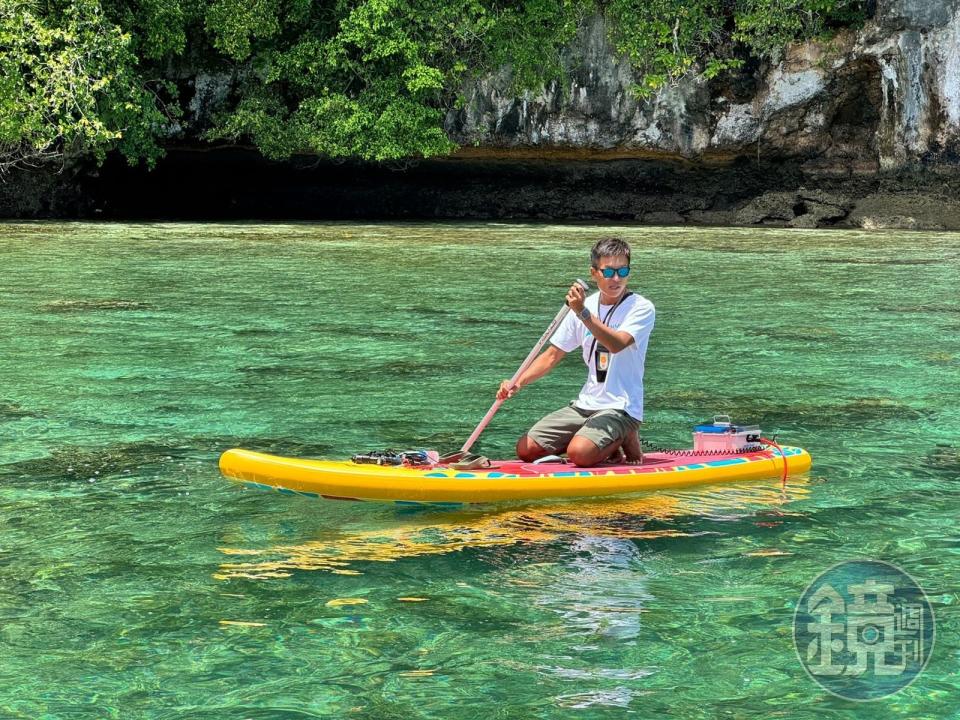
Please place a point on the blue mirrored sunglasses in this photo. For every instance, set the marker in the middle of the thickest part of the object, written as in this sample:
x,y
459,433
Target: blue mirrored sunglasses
x,y
610,272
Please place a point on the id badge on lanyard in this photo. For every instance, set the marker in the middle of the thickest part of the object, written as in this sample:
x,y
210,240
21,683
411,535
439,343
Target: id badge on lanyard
x,y
601,362
602,356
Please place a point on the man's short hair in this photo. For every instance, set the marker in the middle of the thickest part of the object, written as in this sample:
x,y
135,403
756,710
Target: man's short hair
x,y
609,247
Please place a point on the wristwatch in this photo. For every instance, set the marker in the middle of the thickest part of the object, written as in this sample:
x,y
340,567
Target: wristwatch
x,y
584,314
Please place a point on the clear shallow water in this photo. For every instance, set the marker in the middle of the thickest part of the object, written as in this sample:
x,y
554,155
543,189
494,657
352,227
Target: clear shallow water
x,y
135,582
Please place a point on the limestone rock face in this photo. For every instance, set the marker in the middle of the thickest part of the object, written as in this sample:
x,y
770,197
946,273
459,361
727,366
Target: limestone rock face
x,y
878,98
597,109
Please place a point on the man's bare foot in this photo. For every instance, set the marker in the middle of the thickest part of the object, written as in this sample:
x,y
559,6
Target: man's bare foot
x,y
631,450
625,459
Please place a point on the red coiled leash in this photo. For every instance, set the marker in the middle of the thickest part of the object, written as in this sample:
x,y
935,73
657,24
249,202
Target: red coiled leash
x,y
766,441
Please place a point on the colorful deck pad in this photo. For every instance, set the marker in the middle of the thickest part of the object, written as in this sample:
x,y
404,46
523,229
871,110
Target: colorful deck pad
x,y
504,480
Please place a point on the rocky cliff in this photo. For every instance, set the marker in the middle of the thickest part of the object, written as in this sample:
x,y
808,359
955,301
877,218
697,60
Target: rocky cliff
x,y
878,98
862,129
874,103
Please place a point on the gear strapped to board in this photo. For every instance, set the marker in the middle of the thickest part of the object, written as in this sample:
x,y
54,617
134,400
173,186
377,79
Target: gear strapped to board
x,y
395,457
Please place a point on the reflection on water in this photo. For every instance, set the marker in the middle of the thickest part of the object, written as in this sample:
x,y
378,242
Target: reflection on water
x,y
427,534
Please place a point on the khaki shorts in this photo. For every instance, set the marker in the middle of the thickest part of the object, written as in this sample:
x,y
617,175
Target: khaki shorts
x,y
602,427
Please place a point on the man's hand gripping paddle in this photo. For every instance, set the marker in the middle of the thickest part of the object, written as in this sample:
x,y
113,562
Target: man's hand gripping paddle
x,y
456,456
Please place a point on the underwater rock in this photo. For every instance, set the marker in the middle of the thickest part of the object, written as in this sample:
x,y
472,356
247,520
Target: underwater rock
x,y
14,411
944,457
73,462
68,306
79,462
796,334
339,329
866,409
922,309
284,446
876,261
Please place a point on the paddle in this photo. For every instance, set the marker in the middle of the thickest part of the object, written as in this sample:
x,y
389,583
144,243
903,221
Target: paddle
x,y
454,457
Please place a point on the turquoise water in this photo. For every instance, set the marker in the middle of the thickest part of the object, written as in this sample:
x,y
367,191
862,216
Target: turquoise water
x,y
136,582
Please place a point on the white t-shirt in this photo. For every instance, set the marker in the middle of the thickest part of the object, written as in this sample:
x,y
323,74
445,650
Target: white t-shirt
x,y
623,388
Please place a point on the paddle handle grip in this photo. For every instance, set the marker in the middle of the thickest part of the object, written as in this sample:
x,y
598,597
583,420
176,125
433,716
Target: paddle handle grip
x,y
531,356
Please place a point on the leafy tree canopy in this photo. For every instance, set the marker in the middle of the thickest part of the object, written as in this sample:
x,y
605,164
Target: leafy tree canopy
x,y
367,79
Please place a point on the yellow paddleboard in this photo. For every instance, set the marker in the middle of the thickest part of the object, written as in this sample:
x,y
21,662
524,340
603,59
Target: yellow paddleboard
x,y
504,479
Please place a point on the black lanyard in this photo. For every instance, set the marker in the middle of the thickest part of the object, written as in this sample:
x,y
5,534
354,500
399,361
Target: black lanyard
x,y
593,345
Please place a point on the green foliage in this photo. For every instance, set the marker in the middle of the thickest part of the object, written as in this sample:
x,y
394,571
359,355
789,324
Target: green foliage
x,y
669,39
366,79
766,26
235,24
529,36
372,79
68,85
664,38
158,29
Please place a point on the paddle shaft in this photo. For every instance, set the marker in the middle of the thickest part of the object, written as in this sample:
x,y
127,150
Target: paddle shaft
x,y
516,376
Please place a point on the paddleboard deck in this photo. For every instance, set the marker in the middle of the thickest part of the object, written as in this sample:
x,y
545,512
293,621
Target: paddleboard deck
x,y
503,480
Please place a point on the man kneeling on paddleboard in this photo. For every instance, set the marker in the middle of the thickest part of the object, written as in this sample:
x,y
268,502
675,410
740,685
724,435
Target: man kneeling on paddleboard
x,y
612,328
